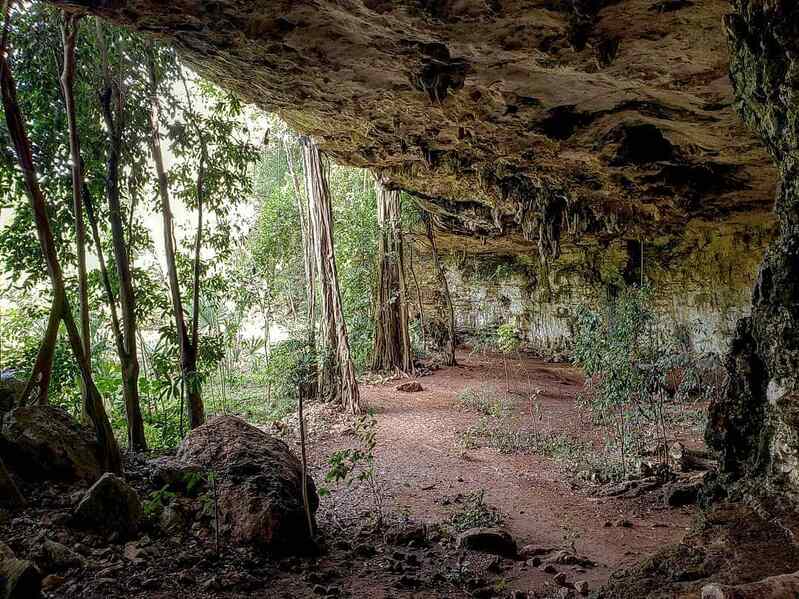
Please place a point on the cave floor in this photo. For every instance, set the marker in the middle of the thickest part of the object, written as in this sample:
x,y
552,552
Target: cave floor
x,y
425,473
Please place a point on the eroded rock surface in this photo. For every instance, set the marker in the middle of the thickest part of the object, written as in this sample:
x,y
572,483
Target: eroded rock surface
x,y
111,505
44,442
517,118
19,579
258,483
762,411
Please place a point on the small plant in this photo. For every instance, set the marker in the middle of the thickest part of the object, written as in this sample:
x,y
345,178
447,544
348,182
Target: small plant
x,y
507,438
155,503
627,363
508,343
475,513
357,464
485,400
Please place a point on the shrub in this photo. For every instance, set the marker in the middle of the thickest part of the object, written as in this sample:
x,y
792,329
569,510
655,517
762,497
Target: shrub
x,y
291,365
630,364
485,400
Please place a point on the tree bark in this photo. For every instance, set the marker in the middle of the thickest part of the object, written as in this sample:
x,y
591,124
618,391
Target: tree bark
x,y
112,101
188,352
43,366
337,372
108,451
449,350
309,262
69,32
392,342
418,297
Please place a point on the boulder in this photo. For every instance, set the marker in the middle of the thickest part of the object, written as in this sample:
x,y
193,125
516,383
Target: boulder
x,y
495,541
410,387
19,579
258,484
111,505
682,493
51,555
44,442
11,388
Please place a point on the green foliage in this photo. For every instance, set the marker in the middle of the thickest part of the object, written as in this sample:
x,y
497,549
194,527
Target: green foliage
x,y
475,513
628,361
356,233
357,464
155,503
485,399
508,341
508,436
291,366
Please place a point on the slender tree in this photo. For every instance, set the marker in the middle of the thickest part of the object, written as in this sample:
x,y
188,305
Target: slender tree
x,y
112,101
69,32
108,449
309,260
337,373
392,342
186,343
450,346
418,295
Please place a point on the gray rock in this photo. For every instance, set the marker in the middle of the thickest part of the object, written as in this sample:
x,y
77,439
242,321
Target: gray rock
x,y
172,519
680,494
11,388
110,505
51,555
19,579
45,443
495,541
258,484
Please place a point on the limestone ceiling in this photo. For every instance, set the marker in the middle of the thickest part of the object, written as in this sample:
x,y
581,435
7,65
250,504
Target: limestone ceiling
x,y
506,118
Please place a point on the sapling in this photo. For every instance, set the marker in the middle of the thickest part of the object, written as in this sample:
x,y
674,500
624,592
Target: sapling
x,y
507,342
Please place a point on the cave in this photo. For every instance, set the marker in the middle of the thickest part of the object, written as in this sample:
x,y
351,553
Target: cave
x,y
562,153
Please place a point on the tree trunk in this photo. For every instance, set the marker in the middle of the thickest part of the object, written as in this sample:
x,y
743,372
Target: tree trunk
x,y
392,342
418,297
338,372
69,32
188,353
108,450
309,261
111,102
449,350
43,366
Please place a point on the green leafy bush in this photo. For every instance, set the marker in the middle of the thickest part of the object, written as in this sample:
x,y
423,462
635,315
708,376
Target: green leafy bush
x,y
485,400
291,365
629,362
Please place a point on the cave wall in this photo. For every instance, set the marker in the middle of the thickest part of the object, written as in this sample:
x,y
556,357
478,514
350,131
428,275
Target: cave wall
x,y
755,425
702,284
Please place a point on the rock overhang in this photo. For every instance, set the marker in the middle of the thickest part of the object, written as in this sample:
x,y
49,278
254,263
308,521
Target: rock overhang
x,y
525,121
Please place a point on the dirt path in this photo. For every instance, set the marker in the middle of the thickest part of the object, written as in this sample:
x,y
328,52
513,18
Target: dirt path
x,y
421,465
